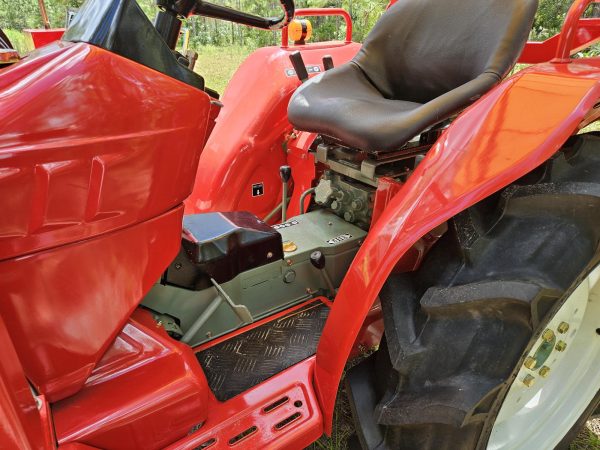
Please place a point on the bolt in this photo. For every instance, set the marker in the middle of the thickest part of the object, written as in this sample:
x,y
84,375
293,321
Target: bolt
x,y
209,334
269,255
561,346
289,262
548,335
340,195
544,371
563,327
330,224
178,266
528,380
336,205
530,362
289,277
349,216
357,205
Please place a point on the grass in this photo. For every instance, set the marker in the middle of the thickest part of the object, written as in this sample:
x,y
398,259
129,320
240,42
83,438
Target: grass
x,y
17,38
217,64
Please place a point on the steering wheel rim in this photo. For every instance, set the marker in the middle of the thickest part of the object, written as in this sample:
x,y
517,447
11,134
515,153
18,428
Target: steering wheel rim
x,y
207,9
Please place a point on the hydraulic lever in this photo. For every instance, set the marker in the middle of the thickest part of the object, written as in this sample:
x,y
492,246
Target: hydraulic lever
x,y
285,172
317,259
299,66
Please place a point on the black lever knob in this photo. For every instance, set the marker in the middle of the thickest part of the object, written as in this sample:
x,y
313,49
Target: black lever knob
x,y
299,66
317,259
328,62
285,172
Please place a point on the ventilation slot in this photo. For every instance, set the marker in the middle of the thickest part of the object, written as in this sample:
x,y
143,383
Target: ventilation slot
x,y
285,422
243,435
206,444
275,405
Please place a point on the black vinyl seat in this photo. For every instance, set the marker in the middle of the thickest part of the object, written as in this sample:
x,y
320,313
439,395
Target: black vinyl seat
x,y
423,61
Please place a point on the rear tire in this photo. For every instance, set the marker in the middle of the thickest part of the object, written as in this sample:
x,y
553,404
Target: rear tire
x,y
459,329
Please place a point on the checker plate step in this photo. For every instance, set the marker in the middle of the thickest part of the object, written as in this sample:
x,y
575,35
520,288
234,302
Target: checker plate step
x,y
244,361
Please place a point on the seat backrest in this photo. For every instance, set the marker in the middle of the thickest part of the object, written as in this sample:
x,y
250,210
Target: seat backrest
x,y
421,49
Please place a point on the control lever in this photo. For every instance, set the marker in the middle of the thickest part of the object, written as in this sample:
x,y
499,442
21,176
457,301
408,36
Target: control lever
x,y
317,259
285,172
299,66
328,62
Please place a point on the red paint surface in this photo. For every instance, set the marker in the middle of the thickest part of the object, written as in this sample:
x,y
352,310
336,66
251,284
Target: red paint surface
x,y
22,425
147,391
90,147
505,135
569,34
248,143
39,38
227,420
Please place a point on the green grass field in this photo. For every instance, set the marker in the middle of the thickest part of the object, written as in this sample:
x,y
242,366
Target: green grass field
x,y
217,65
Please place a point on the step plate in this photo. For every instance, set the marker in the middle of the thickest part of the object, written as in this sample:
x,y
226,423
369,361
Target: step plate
x,y
247,360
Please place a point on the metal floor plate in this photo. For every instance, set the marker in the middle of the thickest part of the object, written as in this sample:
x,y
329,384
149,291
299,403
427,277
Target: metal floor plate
x,y
244,361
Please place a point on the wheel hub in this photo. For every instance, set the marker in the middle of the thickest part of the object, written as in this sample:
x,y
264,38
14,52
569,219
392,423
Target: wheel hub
x,y
559,376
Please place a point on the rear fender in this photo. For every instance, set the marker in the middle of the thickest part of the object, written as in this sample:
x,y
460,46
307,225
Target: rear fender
x,y
505,135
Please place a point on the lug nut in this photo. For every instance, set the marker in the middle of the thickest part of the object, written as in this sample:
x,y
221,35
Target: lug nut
x,y
528,380
561,346
563,327
544,371
530,362
548,335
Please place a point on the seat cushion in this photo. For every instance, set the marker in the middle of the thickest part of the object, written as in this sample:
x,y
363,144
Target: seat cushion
x,y
342,103
424,61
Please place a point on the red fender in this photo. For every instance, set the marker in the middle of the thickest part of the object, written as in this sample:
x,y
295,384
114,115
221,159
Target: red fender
x,y
505,135
249,141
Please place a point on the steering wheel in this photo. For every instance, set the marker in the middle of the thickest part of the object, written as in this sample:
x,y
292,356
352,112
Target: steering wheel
x,y
202,8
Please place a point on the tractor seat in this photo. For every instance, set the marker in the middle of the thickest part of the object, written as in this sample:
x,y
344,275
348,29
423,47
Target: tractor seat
x,y
423,61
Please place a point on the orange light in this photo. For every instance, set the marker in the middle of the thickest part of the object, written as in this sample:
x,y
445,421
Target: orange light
x,y
300,31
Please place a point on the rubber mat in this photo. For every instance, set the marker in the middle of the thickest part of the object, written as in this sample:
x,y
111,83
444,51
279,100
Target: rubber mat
x,y
244,361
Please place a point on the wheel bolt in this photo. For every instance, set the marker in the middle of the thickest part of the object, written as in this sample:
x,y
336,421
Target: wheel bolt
x,y
563,327
530,362
528,380
544,372
561,346
548,335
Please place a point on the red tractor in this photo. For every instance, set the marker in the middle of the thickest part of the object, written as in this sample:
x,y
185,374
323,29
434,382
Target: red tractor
x,y
431,209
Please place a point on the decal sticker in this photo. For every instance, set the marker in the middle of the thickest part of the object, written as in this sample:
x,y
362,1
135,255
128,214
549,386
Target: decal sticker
x,y
286,225
339,239
309,69
258,190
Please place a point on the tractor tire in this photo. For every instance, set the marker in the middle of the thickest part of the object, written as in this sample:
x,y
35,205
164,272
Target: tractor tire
x,y
458,331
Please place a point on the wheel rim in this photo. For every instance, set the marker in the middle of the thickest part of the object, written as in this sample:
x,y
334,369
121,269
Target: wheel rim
x,y
540,415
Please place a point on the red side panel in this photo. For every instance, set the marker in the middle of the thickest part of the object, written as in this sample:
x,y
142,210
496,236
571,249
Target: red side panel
x,y
21,423
64,306
87,145
147,391
90,183
249,141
